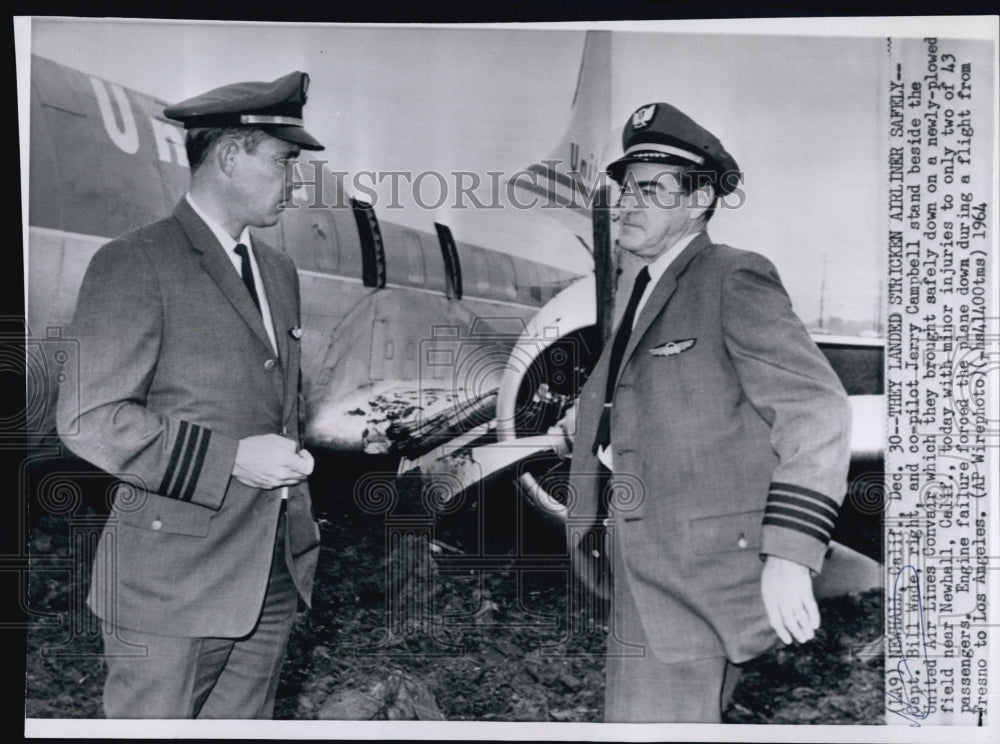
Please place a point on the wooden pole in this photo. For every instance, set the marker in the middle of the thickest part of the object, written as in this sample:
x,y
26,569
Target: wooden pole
x,y
604,264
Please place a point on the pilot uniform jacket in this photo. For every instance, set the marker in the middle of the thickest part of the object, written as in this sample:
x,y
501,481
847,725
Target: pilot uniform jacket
x,y
730,436
175,368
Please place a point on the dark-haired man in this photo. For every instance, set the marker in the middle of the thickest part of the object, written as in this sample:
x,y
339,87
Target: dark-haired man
x,y
188,393
723,426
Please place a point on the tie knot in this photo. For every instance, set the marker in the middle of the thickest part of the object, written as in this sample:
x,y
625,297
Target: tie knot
x,y
242,251
642,278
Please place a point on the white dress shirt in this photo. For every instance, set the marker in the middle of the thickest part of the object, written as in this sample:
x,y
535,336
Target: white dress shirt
x,y
657,268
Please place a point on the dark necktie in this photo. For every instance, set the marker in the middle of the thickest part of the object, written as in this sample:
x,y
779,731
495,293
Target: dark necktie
x,y
603,438
243,252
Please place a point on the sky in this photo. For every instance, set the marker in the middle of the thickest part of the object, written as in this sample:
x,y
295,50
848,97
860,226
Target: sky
x,y
801,115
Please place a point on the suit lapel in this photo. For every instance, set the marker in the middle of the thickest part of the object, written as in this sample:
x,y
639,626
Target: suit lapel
x,y
661,294
218,266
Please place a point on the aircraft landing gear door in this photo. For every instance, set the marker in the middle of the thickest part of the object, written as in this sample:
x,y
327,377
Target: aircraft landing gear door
x,y
372,246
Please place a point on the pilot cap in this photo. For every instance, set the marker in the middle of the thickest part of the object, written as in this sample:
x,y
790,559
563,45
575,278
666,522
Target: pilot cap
x,y
274,107
660,133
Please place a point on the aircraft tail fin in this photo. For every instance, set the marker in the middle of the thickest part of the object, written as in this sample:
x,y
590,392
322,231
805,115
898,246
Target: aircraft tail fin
x,y
563,183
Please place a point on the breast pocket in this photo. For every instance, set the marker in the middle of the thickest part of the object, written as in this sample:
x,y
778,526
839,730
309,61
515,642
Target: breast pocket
x,y
727,533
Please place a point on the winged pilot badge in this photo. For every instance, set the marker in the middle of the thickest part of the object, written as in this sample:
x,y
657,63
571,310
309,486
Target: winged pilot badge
x,y
672,348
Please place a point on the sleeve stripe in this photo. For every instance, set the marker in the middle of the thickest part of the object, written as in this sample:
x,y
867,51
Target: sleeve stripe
x,y
182,477
797,526
168,476
822,524
199,460
800,491
808,506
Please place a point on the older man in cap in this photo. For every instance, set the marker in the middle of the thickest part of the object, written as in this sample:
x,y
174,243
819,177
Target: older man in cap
x,y
724,434
188,393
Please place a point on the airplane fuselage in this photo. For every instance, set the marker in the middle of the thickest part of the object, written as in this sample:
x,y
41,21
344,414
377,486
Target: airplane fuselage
x,y
104,160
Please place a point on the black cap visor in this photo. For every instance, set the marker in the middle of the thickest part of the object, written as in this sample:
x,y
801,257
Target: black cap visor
x,y
617,169
296,135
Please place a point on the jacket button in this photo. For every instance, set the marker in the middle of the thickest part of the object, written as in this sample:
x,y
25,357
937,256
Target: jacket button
x,y
619,451
605,521
742,542
269,365
157,524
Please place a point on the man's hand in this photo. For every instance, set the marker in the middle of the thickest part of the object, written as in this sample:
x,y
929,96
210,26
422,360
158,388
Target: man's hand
x,y
786,588
270,461
566,426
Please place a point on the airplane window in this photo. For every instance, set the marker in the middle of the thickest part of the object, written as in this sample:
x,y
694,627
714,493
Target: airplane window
x,y
563,279
325,240
495,275
526,272
858,367
546,281
433,263
416,273
311,238
507,284
484,284
478,277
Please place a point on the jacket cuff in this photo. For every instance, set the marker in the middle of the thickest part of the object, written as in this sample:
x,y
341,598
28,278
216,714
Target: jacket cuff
x,y
798,523
200,466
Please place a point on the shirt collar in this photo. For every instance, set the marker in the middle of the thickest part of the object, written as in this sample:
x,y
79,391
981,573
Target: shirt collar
x,y
658,266
224,238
